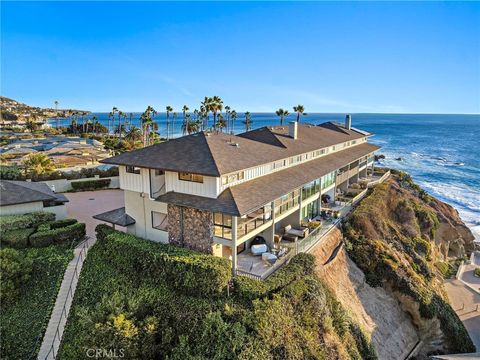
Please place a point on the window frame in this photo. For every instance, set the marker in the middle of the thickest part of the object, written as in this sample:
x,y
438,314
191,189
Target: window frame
x,y
191,177
130,169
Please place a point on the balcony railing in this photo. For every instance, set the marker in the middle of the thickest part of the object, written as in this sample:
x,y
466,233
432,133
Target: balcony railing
x,y
249,224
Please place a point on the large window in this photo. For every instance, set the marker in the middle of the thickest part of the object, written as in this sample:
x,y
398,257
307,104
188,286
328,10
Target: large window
x,y
157,183
311,189
190,177
328,180
310,211
222,225
133,170
159,221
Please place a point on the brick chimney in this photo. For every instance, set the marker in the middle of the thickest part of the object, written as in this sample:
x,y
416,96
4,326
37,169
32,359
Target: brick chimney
x,y
293,129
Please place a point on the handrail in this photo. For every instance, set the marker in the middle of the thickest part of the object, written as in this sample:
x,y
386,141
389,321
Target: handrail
x,y
64,313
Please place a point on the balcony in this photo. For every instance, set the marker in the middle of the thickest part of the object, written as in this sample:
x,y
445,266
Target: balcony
x,y
253,221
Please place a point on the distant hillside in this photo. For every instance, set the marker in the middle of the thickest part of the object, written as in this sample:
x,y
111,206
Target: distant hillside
x,y
14,112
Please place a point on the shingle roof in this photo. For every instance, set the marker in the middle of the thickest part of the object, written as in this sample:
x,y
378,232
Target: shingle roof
x,y
243,198
218,154
117,217
21,192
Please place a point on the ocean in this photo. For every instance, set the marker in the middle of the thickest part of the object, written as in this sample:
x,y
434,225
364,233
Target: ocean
x,y
441,152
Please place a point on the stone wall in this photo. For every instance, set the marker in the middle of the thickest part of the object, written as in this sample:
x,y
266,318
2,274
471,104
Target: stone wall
x,y
190,228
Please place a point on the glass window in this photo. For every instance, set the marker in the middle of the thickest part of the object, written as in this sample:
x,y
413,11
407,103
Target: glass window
x,y
222,225
133,170
190,177
159,172
328,180
159,221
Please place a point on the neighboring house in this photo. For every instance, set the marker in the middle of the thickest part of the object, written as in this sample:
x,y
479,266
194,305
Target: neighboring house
x,y
21,197
215,192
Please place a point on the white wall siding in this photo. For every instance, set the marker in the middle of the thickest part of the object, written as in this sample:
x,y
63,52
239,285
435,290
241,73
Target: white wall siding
x,y
132,182
60,211
140,208
209,187
21,208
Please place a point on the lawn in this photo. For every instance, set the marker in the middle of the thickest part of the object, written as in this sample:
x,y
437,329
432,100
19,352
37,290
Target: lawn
x,y
23,322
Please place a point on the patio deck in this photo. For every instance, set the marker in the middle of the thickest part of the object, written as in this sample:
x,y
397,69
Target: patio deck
x,y
253,266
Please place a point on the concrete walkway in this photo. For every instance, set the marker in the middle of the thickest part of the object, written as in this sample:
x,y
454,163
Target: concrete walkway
x,y
81,206
464,301
58,318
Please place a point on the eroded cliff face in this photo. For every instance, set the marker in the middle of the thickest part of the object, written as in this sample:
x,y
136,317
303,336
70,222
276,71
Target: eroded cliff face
x,y
384,272
376,310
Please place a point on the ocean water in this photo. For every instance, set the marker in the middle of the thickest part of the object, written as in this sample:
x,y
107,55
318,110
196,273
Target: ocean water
x,y
441,152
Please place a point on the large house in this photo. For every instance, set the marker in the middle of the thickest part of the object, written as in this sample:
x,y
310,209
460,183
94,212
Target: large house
x,y
215,192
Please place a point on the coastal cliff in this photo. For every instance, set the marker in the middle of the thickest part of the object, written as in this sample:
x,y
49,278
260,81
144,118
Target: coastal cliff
x,y
386,269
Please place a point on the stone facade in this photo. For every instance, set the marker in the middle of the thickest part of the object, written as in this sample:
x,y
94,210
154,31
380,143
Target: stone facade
x,y
190,228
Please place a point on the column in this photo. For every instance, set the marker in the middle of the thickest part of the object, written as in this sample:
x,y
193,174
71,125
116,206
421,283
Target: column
x,y
234,245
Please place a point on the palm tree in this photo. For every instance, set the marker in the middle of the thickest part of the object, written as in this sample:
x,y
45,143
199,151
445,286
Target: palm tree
x,y
184,110
94,125
300,110
133,134
282,113
227,113
233,115
56,113
248,121
38,163
221,123
169,110
204,115
215,104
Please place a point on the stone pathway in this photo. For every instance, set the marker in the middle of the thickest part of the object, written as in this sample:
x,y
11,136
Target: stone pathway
x,y
58,318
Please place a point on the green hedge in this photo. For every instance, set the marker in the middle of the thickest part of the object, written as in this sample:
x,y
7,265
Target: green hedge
x,y
300,266
186,270
15,271
15,222
90,184
103,230
71,233
62,223
23,322
17,239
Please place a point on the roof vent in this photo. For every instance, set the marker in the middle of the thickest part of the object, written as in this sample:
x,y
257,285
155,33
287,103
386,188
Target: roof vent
x,y
293,129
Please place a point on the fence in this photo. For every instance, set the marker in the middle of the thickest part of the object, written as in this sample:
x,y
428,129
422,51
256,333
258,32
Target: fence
x,y
52,348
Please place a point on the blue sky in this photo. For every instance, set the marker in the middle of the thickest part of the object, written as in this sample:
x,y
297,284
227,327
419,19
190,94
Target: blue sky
x,y
331,57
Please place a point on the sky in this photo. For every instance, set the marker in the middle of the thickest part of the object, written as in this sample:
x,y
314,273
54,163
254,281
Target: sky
x,y
257,56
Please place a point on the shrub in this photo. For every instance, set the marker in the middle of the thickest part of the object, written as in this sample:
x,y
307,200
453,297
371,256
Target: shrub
x,y
477,272
103,230
62,223
90,184
15,222
15,270
186,270
43,227
71,233
16,238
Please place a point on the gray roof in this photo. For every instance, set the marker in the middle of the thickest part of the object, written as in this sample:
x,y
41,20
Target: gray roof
x,y
117,217
21,192
243,198
215,154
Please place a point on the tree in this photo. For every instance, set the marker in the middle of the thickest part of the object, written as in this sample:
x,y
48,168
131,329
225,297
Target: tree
x,y
190,126
282,113
248,121
184,110
31,124
300,110
38,164
56,113
221,123
227,114
146,121
133,134
169,110
233,115
215,104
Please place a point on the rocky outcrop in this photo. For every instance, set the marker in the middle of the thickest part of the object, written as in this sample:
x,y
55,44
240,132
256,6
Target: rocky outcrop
x,y
396,236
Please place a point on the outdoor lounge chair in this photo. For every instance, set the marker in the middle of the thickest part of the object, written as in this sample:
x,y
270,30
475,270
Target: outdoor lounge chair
x,y
258,249
300,232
